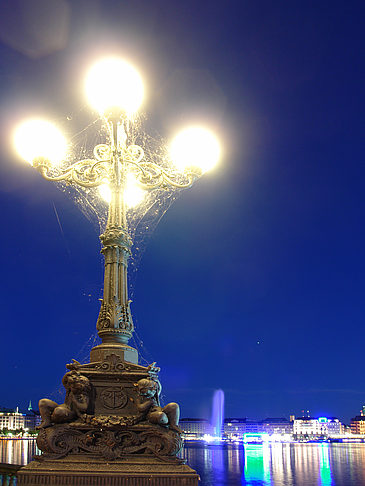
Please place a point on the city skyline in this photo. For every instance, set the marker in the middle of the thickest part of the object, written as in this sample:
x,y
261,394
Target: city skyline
x,y
287,415
253,281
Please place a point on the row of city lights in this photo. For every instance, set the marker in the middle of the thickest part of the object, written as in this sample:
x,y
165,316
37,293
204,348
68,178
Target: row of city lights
x,y
112,85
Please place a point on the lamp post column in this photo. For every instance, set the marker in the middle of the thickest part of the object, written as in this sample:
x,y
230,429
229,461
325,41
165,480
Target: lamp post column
x,y
115,324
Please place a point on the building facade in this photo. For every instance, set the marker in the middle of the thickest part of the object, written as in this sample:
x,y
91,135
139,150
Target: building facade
x,y
195,428
11,420
277,426
314,427
357,424
16,420
234,428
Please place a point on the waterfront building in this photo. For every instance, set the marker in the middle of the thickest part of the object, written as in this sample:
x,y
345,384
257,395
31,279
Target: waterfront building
x,y
273,428
11,420
358,424
15,420
32,419
315,427
195,428
277,426
253,427
335,427
234,428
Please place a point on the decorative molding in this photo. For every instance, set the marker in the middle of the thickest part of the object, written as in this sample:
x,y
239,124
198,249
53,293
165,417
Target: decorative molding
x,y
111,442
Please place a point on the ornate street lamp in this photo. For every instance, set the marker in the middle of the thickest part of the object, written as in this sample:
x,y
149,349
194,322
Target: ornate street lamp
x,y
112,409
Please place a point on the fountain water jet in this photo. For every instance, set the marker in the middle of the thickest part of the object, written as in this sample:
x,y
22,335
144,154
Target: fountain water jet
x,y
217,413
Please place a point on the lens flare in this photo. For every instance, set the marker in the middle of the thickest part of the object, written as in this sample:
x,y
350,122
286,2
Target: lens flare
x,y
113,83
195,147
39,139
105,192
133,194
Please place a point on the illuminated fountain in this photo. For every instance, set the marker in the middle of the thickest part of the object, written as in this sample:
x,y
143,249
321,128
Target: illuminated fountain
x,y
217,413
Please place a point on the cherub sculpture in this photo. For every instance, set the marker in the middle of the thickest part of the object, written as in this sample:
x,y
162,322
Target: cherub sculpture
x,y
76,401
149,408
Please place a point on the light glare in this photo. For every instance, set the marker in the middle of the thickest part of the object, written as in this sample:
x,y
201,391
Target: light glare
x,y
105,192
113,83
195,147
133,194
39,138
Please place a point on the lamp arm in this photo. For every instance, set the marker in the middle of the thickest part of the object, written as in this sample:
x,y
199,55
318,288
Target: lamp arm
x,y
85,173
153,176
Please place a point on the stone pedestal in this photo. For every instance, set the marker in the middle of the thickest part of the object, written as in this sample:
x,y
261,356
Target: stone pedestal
x,y
126,353
111,430
92,471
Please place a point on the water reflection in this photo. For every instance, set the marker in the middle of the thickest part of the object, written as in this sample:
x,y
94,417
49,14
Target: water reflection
x,y
324,466
17,451
251,465
278,464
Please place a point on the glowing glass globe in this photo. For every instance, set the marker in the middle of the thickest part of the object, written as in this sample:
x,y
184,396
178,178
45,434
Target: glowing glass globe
x,y
195,147
39,139
114,84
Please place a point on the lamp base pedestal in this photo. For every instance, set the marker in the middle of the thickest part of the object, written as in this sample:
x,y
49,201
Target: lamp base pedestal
x,y
92,471
121,352
114,443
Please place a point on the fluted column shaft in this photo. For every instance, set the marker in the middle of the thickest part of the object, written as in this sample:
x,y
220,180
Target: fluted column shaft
x,y
115,323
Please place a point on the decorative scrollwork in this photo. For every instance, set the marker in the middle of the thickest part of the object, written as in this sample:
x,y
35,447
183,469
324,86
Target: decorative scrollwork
x,y
152,176
113,363
134,154
115,317
102,152
111,443
94,172
85,173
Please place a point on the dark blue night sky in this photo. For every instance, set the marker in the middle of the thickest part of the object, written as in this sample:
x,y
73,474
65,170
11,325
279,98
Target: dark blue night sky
x,y
254,280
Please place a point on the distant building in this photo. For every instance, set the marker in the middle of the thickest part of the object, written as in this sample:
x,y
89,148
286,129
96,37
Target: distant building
x,y
13,420
234,428
253,427
195,428
32,418
358,424
277,426
335,427
314,427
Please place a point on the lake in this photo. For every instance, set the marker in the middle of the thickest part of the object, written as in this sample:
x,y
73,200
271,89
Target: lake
x,y
306,464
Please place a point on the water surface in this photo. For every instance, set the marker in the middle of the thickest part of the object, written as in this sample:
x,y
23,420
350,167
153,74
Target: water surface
x,y
256,465
306,464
